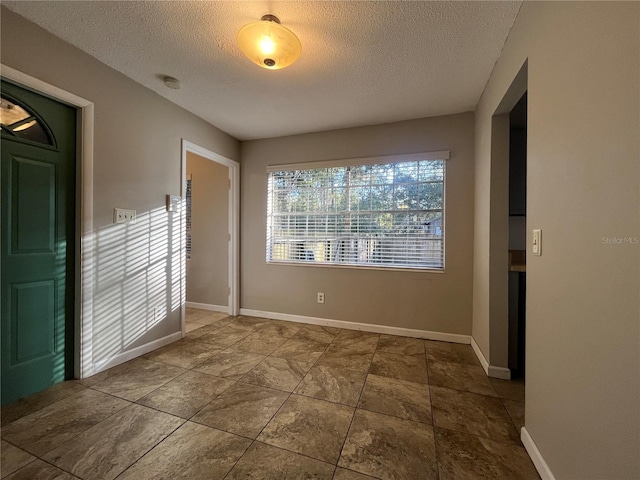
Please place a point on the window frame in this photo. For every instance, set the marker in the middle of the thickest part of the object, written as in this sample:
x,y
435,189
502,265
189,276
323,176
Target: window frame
x,y
359,162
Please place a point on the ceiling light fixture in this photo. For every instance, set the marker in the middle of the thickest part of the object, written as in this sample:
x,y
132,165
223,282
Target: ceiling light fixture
x,y
172,83
269,44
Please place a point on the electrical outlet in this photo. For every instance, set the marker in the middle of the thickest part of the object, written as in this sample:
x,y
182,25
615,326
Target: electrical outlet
x,y
320,297
122,215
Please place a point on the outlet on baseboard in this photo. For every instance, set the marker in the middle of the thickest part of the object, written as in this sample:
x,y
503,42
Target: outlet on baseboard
x,y
320,297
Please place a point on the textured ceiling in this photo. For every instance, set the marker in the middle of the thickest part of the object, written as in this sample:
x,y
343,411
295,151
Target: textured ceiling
x,y
362,62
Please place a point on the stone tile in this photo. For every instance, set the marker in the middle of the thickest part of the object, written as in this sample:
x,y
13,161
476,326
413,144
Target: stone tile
x,y
33,403
451,352
280,327
460,376
204,329
389,448
472,413
250,323
260,342
317,333
314,428
515,411
39,470
351,342
112,372
400,345
243,409
230,364
344,474
203,317
108,448
278,373
193,451
139,380
300,350
190,326
265,462
346,337
47,428
12,458
402,367
185,355
463,456
224,337
398,398
334,384
352,361
510,389
186,394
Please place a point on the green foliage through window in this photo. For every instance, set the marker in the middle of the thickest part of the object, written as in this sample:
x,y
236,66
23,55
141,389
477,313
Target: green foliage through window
x,y
381,215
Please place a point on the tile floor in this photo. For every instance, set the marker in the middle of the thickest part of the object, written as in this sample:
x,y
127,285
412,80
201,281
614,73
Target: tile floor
x,y
251,398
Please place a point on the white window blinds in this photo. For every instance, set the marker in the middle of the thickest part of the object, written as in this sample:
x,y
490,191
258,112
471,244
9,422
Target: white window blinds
x,y
373,212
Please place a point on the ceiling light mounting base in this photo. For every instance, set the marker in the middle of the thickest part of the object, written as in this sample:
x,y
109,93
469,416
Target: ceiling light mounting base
x,y
270,18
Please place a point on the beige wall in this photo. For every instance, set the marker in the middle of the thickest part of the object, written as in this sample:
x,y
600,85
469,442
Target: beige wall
x,y
136,163
583,305
426,301
208,269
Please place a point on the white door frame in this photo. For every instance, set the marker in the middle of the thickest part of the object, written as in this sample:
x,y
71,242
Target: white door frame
x,y
233,228
84,269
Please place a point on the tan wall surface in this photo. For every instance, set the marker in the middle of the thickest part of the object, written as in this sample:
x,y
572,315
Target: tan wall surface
x,y
208,269
583,305
419,300
137,147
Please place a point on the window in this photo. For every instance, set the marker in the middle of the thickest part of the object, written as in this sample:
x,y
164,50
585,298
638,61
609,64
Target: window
x,y
188,215
383,212
19,123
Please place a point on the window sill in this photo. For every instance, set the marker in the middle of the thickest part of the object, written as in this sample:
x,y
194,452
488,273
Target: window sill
x,y
359,267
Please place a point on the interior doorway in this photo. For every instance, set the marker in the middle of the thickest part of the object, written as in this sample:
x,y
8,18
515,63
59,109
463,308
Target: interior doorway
x,y
210,184
517,236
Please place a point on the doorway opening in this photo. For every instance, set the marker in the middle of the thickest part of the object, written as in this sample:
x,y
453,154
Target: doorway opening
x,y
210,186
517,236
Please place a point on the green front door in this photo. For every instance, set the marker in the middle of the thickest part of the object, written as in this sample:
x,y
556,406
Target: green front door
x,y
37,241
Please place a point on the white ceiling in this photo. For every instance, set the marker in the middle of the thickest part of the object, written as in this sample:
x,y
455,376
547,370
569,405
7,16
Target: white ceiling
x,y
362,63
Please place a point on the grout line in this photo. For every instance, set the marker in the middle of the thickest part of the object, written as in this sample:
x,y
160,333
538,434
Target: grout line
x,y
355,410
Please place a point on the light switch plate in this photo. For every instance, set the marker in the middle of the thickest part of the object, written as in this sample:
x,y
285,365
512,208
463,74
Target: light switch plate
x,y
536,244
122,215
173,201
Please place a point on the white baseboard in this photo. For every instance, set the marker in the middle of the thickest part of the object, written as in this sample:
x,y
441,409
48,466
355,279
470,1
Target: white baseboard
x,y
135,352
499,372
206,306
536,456
491,370
480,355
365,327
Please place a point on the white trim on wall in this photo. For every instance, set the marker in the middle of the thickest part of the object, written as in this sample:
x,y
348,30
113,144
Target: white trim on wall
x,y
480,355
83,330
365,327
138,351
234,224
206,306
536,456
491,370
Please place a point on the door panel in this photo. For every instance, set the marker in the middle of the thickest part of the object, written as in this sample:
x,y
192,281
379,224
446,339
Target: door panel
x,y
33,322
32,221
37,242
